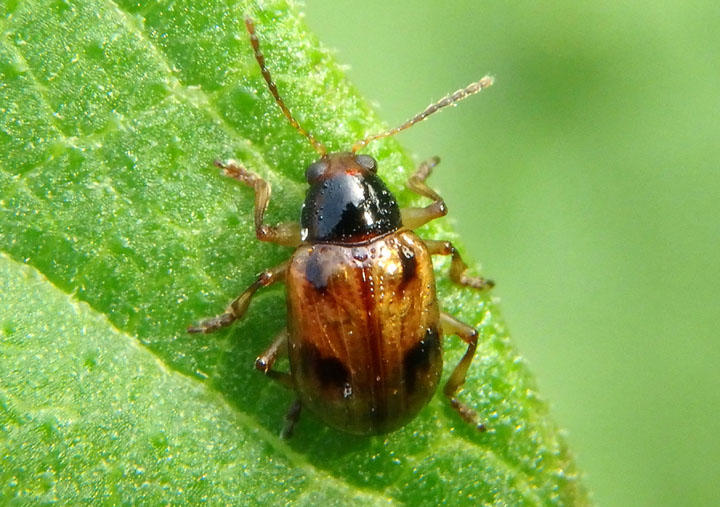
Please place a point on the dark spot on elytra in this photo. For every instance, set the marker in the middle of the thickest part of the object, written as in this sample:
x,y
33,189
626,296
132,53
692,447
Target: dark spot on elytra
x,y
409,264
332,373
317,273
329,372
419,358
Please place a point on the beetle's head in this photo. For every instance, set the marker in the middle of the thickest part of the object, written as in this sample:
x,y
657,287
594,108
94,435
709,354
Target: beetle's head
x,y
334,164
347,202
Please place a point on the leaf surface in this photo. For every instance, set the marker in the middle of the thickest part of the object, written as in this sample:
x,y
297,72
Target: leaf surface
x,y
117,232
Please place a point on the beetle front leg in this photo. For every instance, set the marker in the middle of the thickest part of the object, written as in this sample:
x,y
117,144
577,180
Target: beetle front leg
x,y
457,265
286,234
237,308
450,325
412,218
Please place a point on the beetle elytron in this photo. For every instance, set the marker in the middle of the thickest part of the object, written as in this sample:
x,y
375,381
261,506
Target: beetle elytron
x,y
364,328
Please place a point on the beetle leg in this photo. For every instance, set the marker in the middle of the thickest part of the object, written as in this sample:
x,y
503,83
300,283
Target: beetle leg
x,y
412,218
237,308
415,217
457,265
291,419
286,234
265,362
450,325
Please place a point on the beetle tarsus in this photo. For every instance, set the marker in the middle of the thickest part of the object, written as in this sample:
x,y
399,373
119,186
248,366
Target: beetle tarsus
x,y
212,324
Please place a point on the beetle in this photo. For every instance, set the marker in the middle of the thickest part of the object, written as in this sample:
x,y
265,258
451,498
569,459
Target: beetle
x,y
364,328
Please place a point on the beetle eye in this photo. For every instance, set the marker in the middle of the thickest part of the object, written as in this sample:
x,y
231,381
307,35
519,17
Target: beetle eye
x,y
315,171
367,162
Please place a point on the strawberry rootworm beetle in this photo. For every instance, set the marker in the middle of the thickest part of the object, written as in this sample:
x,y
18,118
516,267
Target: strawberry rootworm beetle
x,y
364,328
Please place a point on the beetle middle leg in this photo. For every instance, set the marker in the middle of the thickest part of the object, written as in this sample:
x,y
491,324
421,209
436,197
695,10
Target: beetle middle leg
x,y
265,362
450,325
239,306
286,234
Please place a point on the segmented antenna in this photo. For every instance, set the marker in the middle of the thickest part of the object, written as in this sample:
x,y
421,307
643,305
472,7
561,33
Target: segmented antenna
x,y
273,89
432,108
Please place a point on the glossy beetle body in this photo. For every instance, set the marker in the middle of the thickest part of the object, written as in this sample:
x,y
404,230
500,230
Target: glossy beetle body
x,y
364,336
363,317
364,329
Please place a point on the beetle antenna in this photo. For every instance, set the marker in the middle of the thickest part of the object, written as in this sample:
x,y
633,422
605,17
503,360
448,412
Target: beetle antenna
x,y
448,100
250,25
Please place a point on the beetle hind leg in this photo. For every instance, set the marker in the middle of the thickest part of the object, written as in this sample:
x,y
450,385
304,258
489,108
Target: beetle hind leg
x,y
265,362
291,419
469,335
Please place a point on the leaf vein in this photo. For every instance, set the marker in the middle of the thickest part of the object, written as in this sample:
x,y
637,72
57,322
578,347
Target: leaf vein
x,y
41,90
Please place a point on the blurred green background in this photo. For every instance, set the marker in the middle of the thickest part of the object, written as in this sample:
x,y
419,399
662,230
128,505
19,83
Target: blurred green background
x,y
587,182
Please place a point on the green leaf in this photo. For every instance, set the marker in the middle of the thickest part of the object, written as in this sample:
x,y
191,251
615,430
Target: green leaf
x,y
117,232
